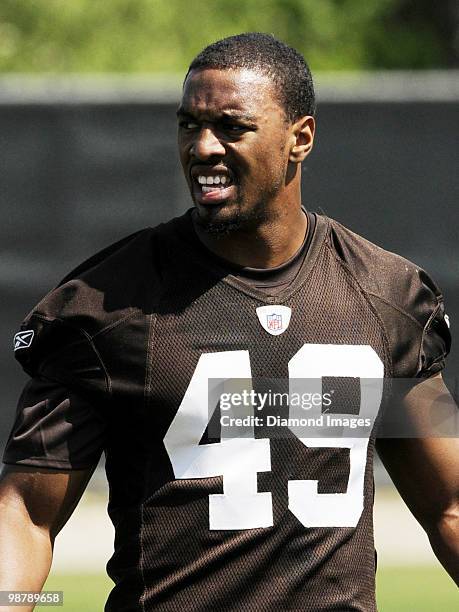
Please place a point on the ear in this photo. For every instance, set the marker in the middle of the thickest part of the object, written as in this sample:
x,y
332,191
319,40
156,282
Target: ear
x,y
302,139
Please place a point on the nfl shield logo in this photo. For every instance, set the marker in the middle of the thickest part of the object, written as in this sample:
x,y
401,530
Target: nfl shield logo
x,y
274,322
274,319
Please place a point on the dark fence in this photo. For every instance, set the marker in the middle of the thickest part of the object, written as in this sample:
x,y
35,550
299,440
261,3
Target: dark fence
x,y
77,175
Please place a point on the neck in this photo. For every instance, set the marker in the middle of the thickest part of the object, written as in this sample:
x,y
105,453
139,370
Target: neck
x,y
268,245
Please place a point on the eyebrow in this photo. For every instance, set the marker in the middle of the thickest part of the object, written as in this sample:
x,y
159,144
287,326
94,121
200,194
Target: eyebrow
x,y
226,114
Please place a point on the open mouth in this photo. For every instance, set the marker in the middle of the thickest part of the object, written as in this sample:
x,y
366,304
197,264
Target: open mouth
x,y
212,186
210,183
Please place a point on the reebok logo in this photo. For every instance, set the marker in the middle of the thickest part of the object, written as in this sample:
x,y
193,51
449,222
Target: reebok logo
x,y
23,339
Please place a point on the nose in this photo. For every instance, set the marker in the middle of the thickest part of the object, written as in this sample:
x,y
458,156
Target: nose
x,y
207,145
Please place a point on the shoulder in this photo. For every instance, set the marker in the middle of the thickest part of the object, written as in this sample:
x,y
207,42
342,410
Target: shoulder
x,y
115,284
408,302
384,275
109,284
97,289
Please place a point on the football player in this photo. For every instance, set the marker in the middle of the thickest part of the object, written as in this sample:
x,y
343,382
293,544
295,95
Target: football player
x,y
128,355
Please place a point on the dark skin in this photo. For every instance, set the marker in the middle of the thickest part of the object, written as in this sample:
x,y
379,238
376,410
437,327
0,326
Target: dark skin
x,y
231,121
425,468
35,504
260,153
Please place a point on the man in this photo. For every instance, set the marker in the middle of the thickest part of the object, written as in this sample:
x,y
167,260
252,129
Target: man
x,y
249,286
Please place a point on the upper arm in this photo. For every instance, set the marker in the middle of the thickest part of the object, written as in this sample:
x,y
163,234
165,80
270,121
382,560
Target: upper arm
x,y
59,431
44,497
425,467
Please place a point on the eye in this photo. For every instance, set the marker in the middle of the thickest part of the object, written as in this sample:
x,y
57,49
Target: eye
x,y
186,124
235,128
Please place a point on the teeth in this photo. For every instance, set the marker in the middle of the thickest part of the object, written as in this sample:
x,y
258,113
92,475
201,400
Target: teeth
x,y
213,180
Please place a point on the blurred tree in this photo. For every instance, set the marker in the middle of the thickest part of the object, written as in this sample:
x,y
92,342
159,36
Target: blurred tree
x,y
163,35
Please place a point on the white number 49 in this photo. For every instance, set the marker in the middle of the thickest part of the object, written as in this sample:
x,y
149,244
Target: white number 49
x,y
238,460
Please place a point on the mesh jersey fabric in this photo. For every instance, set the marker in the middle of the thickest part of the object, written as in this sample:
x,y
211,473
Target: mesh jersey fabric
x,y
115,348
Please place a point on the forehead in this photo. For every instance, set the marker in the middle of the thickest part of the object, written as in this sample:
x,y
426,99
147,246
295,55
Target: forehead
x,y
240,90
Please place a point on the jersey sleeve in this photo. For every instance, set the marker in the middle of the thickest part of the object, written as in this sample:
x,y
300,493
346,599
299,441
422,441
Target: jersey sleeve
x,y
416,324
55,427
60,419
435,340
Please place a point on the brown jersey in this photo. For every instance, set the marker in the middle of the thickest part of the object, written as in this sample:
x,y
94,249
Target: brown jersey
x,y
121,354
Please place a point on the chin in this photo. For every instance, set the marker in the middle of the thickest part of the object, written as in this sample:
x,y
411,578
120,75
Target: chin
x,y
213,221
230,217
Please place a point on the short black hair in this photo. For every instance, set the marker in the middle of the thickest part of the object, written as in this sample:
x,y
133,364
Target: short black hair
x,y
285,66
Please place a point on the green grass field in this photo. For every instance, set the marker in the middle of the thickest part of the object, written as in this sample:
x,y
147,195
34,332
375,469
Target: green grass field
x,y
416,589
399,589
